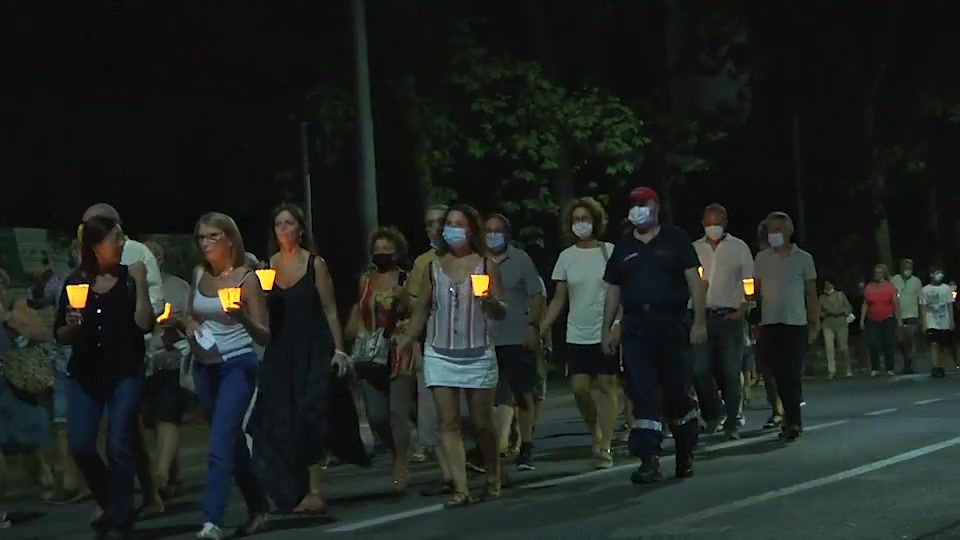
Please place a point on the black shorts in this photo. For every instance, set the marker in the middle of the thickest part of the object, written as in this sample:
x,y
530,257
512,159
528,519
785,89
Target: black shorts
x,y
163,399
940,337
518,373
590,360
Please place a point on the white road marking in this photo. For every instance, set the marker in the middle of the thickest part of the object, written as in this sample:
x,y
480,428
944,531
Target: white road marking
x,y
925,401
881,411
576,478
722,509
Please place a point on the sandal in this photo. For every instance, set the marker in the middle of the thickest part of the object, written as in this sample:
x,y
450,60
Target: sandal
x,y
459,500
312,504
255,525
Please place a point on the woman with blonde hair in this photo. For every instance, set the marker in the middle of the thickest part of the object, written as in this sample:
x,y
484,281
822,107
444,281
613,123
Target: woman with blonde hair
x,y
225,370
880,318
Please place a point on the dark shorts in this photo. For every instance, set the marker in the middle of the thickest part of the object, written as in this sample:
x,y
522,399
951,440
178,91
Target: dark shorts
x,y
164,401
940,337
590,360
518,373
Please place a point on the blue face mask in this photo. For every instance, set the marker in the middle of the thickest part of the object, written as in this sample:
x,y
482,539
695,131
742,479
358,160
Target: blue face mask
x,y
496,241
454,236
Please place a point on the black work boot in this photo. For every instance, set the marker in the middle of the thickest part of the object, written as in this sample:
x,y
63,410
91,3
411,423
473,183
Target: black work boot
x,y
648,472
686,440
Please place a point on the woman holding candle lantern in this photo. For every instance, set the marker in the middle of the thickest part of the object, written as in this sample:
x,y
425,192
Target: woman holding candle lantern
x,y
458,300
109,312
226,315
302,409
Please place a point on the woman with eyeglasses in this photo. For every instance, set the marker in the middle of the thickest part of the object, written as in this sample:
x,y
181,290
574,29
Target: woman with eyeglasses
x,y
106,368
222,336
458,352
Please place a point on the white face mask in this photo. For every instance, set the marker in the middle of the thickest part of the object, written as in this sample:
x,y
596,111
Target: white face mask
x,y
775,240
907,273
938,276
582,229
640,216
713,232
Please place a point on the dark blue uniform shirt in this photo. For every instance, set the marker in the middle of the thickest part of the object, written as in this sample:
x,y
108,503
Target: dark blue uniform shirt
x,y
651,275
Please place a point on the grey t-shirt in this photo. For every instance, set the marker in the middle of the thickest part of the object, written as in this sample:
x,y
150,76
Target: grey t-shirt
x,y
783,281
521,282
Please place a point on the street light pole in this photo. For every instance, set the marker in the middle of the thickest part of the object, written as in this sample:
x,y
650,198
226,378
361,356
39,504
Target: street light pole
x,y
307,184
367,192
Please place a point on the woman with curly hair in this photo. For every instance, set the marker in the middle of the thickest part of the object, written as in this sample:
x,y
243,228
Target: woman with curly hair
x,y
388,383
578,274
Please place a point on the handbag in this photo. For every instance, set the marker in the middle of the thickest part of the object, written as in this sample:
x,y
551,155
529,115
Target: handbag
x,y
372,347
28,369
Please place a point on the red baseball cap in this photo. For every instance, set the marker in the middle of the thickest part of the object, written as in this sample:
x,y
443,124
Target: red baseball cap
x,y
642,195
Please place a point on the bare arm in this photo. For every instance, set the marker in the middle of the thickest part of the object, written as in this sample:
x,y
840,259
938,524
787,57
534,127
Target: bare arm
x,y
863,313
324,285
896,307
556,307
813,303
143,312
611,306
255,317
496,308
537,306
354,321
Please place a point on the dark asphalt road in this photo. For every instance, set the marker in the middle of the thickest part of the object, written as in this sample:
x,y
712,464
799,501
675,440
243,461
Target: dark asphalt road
x,y
877,462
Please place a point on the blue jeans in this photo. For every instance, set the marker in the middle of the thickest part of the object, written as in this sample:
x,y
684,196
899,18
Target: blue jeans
x,y
111,483
225,390
717,365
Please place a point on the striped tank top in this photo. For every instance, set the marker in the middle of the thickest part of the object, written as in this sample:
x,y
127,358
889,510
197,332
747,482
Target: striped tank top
x,y
457,326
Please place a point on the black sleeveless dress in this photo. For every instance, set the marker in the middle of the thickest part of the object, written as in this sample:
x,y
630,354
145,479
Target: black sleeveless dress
x,y
302,409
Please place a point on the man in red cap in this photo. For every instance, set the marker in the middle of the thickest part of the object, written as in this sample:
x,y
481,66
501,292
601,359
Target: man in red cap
x,y
653,274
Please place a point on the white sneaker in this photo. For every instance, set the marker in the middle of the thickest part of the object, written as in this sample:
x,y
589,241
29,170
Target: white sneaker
x,y
211,532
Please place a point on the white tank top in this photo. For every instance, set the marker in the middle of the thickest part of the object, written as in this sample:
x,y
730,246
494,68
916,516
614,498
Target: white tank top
x,y
231,337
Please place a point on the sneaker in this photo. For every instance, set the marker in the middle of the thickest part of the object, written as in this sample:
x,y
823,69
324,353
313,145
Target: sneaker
x,y
773,422
4,522
890,373
849,374
803,403
741,421
603,460
211,532
648,472
525,458
874,373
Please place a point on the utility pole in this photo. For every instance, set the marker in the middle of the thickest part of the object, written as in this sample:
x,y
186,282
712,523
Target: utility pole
x,y
367,192
307,183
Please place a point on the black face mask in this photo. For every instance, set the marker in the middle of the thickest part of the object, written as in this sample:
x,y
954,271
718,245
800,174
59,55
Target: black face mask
x,y
384,261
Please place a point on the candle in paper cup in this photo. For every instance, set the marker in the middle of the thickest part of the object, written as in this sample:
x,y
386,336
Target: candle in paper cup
x,y
749,286
700,271
77,295
229,297
166,313
481,284
266,275
954,295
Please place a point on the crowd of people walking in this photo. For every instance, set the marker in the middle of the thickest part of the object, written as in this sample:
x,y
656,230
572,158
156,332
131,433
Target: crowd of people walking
x,y
658,326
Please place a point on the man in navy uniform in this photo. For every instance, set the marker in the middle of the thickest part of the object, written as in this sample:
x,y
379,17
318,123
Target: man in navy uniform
x,y
653,274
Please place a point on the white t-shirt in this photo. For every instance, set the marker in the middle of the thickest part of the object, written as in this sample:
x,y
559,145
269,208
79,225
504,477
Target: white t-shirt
x,y
937,302
582,270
